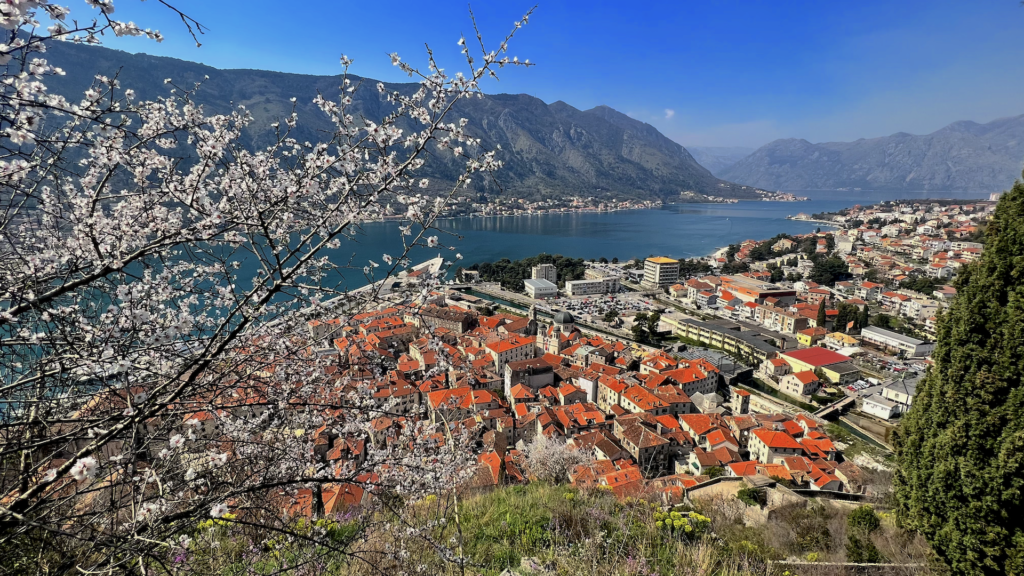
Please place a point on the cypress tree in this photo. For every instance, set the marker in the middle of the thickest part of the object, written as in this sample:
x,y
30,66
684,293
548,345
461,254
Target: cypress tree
x,y
960,480
863,318
821,314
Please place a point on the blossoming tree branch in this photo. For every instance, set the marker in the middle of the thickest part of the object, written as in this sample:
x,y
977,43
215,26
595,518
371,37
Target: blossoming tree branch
x,y
149,381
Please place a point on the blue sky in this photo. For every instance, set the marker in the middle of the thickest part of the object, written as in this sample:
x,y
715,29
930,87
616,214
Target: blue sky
x,y
704,72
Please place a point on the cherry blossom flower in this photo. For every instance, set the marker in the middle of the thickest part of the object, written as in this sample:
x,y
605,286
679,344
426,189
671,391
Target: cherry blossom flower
x,y
84,469
219,510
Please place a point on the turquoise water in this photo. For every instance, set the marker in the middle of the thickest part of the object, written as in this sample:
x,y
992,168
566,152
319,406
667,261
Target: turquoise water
x,y
681,231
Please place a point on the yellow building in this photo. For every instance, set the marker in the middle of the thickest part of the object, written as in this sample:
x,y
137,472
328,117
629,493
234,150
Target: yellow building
x,y
810,336
835,367
838,341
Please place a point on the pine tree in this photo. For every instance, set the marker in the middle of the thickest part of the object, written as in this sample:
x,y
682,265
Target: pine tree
x,y
821,314
960,480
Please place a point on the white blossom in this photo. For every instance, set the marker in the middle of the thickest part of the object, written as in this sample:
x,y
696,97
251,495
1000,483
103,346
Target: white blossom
x,y
85,469
219,510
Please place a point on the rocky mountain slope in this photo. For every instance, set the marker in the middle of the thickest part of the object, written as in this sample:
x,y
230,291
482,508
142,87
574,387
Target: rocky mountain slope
x,y
549,150
964,156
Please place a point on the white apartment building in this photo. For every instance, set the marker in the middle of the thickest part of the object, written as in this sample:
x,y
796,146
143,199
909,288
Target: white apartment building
x,y
939,271
920,309
608,284
912,347
545,272
961,245
660,272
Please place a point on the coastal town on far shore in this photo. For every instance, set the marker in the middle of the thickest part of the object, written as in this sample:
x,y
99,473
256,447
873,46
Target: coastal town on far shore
x,y
779,365
514,206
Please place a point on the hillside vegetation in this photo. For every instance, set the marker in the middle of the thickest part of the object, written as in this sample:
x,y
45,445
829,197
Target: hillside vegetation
x,y
546,529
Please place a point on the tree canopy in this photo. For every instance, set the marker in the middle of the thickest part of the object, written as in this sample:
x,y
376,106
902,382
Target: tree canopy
x,y
922,284
695,267
851,313
961,447
512,273
828,270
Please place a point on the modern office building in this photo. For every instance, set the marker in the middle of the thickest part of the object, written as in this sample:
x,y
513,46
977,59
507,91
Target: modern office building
x,y
911,347
660,272
757,291
540,288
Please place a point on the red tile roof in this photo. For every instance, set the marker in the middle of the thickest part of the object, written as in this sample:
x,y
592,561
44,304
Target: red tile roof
x,y
744,468
779,440
805,377
817,356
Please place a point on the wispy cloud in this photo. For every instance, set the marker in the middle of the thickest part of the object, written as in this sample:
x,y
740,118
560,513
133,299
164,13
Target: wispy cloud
x,y
669,113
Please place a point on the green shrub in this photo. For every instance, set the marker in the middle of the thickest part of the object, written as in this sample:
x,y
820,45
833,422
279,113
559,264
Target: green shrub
x,y
863,520
862,550
752,496
810,526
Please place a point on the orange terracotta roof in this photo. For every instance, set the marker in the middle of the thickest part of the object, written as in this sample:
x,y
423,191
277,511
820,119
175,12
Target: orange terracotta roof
x,y
777,440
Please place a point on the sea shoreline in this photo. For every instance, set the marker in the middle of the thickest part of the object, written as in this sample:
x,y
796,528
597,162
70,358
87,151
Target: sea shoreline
x,y
399,218
720,252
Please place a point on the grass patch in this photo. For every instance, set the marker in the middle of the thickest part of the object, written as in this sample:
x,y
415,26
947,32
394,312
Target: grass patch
x,y
856,446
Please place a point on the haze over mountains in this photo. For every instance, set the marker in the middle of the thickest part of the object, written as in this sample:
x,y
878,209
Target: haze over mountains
x,y
962,157
719,158
549,150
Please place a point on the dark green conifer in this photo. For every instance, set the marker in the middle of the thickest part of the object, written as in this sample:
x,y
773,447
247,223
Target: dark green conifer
x,y
960,480
863,318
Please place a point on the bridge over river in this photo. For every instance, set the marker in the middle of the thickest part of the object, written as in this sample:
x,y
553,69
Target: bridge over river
x,y
834,408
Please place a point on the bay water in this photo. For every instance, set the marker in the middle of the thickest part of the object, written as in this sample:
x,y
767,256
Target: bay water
x,y
677,230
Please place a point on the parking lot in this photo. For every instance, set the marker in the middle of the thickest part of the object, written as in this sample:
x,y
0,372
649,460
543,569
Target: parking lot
x,y
888,367
864,388
593,307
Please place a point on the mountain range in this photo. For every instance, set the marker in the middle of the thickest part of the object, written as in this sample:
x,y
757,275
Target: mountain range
x,y
549,150
556,150
962,157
